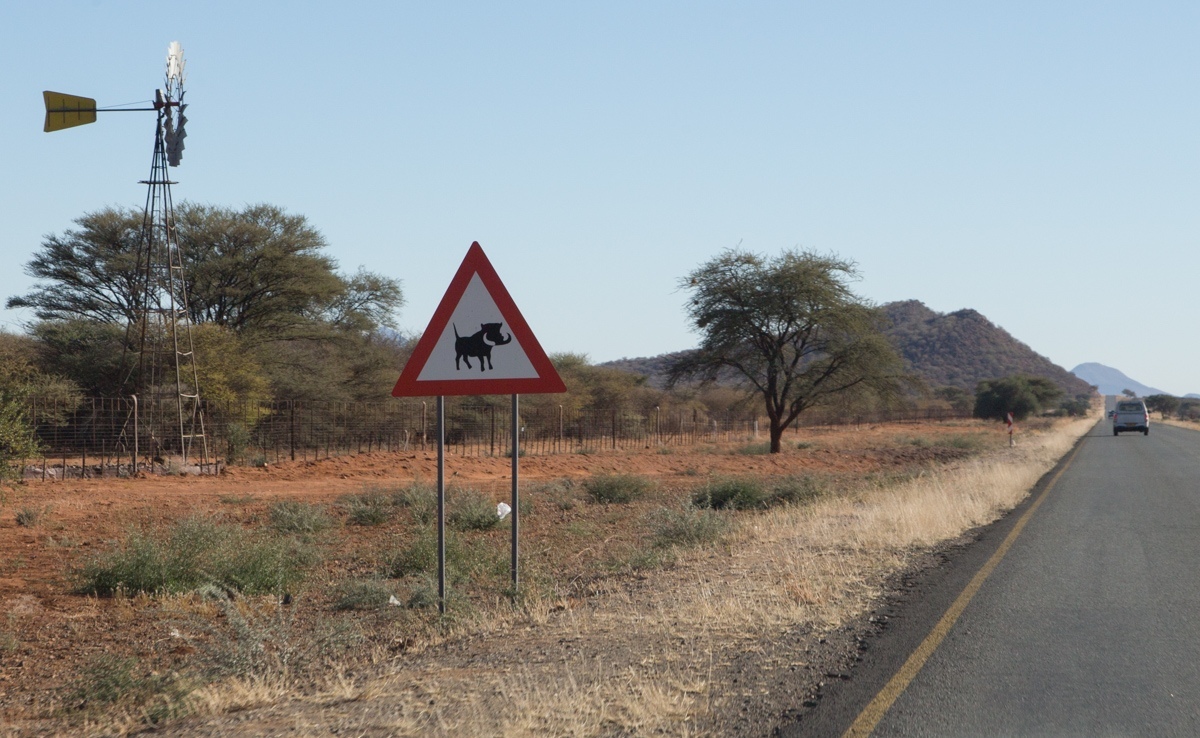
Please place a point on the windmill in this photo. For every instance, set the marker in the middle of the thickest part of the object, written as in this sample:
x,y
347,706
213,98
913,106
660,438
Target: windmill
x,y
162,325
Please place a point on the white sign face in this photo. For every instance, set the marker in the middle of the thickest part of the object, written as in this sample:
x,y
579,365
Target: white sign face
x,y
476,344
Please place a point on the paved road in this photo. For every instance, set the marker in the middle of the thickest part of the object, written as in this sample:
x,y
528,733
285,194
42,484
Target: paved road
x,y
1089,625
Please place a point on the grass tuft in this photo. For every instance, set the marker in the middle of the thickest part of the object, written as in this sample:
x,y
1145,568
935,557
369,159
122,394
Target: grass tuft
x,y
688,526
966,443
290,516
796,490
193,553
109,681
466,560
369,508
27,517
617,488
740,493
754,449
363,594
731,494
469,509
419,499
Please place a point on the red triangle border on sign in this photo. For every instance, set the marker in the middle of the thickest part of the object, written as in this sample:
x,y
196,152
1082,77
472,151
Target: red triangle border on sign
x,y
547,380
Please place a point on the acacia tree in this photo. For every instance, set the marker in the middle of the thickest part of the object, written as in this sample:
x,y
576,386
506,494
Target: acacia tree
x,y
259,271
1165,404
20,382
91,273
789,328
1020,395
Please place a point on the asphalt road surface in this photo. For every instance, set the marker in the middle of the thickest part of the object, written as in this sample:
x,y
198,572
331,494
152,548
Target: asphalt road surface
x,y
1088,624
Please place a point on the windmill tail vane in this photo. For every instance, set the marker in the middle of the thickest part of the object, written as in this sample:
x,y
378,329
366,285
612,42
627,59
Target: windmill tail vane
x,y
68,111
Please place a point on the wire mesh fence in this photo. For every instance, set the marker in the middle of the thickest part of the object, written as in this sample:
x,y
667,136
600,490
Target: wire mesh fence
x,y
116,436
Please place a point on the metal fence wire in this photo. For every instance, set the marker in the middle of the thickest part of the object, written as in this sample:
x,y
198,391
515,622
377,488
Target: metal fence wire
x,y
98,436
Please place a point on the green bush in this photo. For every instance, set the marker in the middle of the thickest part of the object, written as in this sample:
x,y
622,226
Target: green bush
x,y
193,553
419,556
469,509
113,680
237,439
795,491
419,499
617,488
749,494
27,517
731,494
754,449
369,508
368,594
1020,395
559,492
966,443
687,526
465,560
290,516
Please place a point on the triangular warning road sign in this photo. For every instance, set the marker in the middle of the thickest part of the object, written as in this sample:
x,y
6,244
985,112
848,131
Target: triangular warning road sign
x,y
477,343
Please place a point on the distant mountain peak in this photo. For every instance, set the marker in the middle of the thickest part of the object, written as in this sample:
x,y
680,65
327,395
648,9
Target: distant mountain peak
x,y
1110,381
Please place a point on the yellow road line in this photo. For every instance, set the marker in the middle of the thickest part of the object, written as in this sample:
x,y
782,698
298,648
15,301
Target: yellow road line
x,y
869,718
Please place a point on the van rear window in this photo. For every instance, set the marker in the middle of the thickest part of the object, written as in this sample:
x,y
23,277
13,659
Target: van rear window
x,y
1129,407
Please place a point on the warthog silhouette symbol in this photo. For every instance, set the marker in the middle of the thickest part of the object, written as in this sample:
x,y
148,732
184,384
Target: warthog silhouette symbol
x,y
477,345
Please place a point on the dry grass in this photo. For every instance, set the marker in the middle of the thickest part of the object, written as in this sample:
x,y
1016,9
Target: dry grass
x,y
816,565
1189,424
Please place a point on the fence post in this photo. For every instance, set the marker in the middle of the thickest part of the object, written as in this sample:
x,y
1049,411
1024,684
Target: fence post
x,y
292,428
135,436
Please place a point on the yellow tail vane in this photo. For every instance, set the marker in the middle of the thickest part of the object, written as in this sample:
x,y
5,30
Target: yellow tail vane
x,y
67,111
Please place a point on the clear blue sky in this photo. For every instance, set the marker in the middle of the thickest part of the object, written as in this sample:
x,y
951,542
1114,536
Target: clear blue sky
x,y
1035,161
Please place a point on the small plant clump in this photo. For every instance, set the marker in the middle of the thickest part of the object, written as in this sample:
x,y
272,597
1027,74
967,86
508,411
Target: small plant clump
x,y
754,449
289,516
796,490
369,508
964,442
109,681
731,494
750,494
27,517
368,594
617,488
687,526
469,509
466,559
196,552
419,499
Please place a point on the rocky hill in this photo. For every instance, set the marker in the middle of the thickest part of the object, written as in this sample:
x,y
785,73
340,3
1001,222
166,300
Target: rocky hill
x,y
961,348
945,349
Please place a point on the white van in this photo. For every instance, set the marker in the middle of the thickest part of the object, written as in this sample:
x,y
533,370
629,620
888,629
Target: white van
x,y
1131,415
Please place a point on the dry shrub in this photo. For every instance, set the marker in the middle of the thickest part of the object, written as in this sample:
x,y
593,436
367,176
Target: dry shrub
x,y
617,488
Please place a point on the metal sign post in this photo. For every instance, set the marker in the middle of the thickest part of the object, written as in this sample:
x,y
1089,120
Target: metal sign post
x,y
441,502
516,454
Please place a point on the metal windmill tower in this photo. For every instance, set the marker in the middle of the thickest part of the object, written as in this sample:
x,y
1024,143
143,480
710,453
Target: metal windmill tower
x,y
162,325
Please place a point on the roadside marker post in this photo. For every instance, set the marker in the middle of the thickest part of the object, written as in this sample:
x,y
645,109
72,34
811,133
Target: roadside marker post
x,y
442,365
